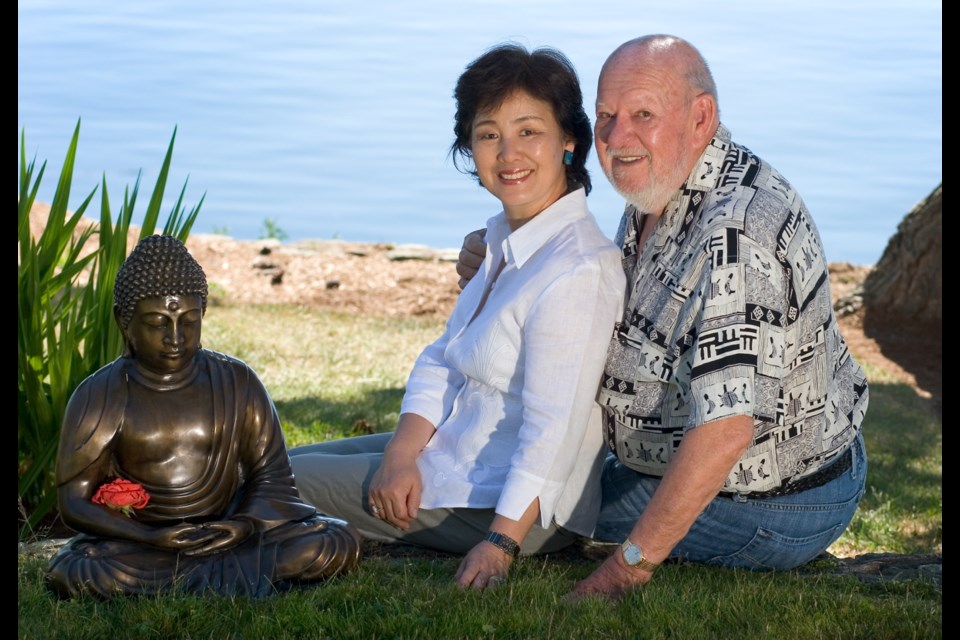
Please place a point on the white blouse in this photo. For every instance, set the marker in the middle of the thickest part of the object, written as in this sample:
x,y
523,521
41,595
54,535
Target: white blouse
x,y
512,389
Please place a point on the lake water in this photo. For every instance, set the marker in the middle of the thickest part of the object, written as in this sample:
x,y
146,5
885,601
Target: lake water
x,y
333,120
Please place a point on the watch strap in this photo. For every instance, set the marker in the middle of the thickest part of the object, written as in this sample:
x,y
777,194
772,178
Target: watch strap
x,y
504,542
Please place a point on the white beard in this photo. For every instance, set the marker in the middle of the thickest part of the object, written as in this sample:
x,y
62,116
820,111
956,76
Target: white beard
x,y
657,194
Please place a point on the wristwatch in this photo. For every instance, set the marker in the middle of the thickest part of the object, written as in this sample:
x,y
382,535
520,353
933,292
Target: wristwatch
x,y
505,543
633,556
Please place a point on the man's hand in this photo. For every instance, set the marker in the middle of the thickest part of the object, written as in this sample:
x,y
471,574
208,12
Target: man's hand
x,y
471,255
613,579
694,477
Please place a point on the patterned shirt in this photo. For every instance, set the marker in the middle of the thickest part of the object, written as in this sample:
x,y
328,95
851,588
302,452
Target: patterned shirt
x,y
729,314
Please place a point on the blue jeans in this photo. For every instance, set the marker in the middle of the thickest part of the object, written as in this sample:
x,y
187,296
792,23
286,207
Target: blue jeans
x,y
753,533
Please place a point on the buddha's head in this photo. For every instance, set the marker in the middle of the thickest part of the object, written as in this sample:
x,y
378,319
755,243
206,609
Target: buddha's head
x,y
159,299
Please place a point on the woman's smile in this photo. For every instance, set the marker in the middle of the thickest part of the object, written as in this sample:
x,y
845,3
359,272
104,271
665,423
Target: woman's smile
x,y
518,152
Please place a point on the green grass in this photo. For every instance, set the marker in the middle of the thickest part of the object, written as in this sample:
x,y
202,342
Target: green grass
x,y
330,374
902,510
415,598
336,374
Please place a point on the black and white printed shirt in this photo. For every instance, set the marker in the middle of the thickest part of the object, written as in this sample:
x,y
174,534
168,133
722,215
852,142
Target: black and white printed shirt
x,y
729,314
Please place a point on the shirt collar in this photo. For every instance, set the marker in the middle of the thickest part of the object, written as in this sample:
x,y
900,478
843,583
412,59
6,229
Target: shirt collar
x,y
518,246
707,170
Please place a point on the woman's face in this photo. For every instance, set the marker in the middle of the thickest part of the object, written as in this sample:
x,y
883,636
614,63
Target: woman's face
x,y
518,152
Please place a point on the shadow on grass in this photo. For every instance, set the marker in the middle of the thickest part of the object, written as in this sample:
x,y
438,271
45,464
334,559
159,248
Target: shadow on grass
x,y
904,447
915,345
317,419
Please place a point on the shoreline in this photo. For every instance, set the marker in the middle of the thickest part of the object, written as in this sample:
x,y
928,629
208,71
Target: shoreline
x,y
356,277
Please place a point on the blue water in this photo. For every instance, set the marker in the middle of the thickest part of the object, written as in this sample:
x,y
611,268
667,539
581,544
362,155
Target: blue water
x,y
333,120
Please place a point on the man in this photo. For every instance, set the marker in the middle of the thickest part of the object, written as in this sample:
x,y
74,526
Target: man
x,y
731,406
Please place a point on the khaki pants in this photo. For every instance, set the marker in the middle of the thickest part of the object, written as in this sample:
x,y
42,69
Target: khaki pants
x,y
335,476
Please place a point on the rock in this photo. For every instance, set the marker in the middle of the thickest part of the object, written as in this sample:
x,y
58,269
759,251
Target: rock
x,y
893,567
412,252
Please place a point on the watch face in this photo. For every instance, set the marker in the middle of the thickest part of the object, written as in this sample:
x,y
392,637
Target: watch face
x,y
632,554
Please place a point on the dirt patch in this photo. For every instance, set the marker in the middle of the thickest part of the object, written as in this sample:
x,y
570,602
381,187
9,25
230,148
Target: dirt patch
x,y
368,279
910,352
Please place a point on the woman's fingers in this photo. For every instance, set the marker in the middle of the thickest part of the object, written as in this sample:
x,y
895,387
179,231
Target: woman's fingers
x,y
394,494
390,508
483,568
485,581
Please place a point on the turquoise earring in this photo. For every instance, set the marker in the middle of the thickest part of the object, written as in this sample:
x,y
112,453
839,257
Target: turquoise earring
x,y
568,158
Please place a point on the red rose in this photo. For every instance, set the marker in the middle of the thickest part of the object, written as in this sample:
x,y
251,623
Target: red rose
x,y
122,495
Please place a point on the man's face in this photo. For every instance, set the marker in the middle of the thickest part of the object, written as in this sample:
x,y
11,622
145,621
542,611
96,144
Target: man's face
x,y
164,332
643,131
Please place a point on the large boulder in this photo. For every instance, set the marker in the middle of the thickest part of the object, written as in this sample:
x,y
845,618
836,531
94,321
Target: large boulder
x,y
903,297
907,283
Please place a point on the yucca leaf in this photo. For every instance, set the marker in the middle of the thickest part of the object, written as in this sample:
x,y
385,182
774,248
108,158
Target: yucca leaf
x,y
153,208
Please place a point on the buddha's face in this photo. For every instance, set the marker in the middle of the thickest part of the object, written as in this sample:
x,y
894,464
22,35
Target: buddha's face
x,y
164,332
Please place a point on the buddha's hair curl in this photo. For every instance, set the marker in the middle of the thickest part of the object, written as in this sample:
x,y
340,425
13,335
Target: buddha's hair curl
x,y
158,266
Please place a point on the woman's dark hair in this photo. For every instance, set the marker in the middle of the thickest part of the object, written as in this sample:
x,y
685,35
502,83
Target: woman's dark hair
x,y
544,74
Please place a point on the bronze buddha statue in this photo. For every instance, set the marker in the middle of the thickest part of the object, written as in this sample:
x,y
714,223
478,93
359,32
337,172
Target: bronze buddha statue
x,y
172,464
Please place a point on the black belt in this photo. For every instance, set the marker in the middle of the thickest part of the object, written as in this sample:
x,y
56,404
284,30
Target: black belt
x,y
831,472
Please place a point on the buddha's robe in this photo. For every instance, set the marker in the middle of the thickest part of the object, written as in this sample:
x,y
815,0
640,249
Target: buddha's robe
x,y
247,476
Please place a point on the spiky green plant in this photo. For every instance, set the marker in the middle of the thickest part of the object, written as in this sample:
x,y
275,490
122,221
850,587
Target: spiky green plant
x,y
65,327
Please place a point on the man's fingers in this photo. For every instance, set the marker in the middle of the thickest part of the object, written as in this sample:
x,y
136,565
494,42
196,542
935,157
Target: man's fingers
x,y
475,242
467,266
471,256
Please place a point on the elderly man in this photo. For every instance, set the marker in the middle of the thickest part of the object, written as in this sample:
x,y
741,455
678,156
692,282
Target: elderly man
x,y
731,406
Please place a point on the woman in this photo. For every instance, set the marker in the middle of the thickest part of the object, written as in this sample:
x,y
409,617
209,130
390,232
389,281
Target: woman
x,y
492,453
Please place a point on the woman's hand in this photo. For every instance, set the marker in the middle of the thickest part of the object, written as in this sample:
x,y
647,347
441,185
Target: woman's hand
x,y
484,567
395,491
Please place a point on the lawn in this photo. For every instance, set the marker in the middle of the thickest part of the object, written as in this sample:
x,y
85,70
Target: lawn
x,y
333,375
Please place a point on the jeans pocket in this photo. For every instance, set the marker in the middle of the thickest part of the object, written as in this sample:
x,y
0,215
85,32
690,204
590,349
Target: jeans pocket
x,y
771,550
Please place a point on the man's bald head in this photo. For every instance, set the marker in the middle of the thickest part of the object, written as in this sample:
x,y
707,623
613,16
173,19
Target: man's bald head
x,y
668,52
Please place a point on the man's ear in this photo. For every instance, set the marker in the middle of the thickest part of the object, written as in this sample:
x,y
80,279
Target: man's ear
x,y
703,115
